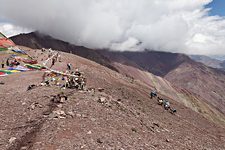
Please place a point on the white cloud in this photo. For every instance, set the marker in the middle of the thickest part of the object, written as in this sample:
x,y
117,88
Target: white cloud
x,y
9,29
130,44
166,25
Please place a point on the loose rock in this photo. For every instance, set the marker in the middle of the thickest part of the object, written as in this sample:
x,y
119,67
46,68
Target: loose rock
x,y
70,113
100,89
59,105
24,148
99,141
11,140
134,130
102,100
59,114
155,124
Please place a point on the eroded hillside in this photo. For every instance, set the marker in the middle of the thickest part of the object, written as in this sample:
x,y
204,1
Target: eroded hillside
x,y
119,115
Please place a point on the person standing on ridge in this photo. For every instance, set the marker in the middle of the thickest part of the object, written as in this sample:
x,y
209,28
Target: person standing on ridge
x,y
7,62
53,61
69,66
153,93
3,64
166,104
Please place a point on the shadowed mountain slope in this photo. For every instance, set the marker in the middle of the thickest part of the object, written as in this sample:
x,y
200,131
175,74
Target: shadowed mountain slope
x,y
37,40
158,63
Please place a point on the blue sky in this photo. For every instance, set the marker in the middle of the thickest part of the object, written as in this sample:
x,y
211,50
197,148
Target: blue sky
x,y
218,7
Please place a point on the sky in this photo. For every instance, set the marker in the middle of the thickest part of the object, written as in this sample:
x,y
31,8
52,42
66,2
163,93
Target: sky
x,y
184,26
218,7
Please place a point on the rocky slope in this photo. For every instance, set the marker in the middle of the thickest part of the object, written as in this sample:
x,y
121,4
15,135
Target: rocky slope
x,y
205,82
178,93
122,116
175,78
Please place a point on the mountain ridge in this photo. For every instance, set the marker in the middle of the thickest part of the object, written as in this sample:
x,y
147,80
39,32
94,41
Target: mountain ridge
x,y
208,61
124,118
37,40
145,65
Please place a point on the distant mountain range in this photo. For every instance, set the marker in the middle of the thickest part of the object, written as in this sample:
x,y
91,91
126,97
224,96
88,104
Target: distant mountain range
x,y
218,57
214,61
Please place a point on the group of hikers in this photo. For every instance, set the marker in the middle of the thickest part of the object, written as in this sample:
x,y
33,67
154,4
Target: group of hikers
x,y
9,63
72,80
56,58
163,102
76,80
68,79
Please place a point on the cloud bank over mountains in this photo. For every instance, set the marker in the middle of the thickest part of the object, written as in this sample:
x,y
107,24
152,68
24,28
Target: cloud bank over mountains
x,y
166,25
9,29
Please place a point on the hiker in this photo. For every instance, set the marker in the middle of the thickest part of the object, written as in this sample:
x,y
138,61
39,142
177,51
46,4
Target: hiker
x,y
45,82
59,58
3,64
153,93
69,66
15,62
83,83
72,82
66,82
53,61
160,100
172,110
57,81
30,87
7,62
62,97
166,104
77,73
59,98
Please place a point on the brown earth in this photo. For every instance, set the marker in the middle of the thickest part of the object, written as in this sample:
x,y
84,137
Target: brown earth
x,y
124,118
182,95
137,65
176,80
205,82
